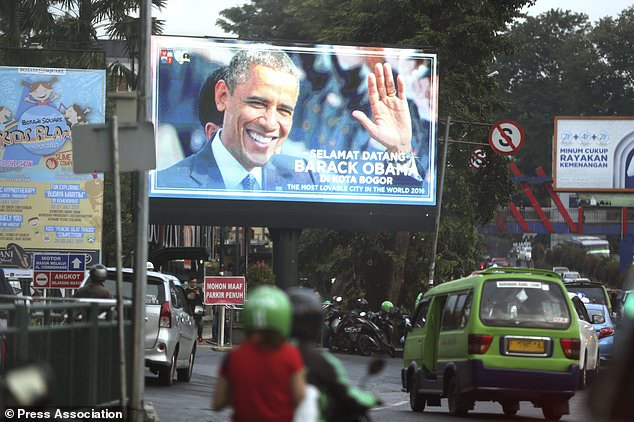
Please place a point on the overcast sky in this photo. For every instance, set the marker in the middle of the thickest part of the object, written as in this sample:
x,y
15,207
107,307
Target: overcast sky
x,y
188,17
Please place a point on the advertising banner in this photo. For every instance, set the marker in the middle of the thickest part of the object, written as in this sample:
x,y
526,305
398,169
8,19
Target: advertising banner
x,y
594,154
44,206
224,290
240,120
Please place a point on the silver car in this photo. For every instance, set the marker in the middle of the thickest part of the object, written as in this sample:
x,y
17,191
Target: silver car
x,y
170,329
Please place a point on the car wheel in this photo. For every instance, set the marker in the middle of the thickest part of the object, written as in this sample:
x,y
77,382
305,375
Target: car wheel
x,y
510,408
185,374
550,414
597,369
364,345
455,400
416,400
168,373
583,376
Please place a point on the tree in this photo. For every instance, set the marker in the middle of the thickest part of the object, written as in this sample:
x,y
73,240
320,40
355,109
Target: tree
x,y
467,37
71,27
562,66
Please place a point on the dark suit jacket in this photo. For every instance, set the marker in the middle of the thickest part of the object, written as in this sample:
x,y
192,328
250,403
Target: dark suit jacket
x,y
201,171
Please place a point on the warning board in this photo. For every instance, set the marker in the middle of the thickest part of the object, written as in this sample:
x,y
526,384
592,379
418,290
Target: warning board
x,y
506,137
58,279
224,290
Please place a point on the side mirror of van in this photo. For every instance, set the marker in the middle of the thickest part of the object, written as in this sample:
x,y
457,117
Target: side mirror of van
x,y
598,319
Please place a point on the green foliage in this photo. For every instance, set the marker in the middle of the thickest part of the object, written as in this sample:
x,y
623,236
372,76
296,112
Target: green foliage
x,y
563,66
67,31
259,274
467,36
597,268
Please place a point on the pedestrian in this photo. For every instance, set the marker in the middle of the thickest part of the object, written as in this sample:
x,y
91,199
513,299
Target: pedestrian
x,y
195,299
94,287
264,378
5,287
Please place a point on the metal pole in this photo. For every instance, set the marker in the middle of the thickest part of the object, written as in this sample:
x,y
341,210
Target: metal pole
x,y
221,326
141,212
432,264
114,133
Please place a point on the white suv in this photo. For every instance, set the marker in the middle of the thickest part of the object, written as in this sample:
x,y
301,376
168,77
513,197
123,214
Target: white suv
x,y
170,329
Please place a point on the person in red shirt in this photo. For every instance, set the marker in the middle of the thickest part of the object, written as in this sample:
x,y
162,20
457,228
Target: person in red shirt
x,y
263,379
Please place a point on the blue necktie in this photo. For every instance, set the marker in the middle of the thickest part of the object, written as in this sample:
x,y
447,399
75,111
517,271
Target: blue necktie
x,y
249,182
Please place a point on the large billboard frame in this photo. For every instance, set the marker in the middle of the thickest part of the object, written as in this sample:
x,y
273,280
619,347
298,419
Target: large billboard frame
x,y
282,210
52,210
601,146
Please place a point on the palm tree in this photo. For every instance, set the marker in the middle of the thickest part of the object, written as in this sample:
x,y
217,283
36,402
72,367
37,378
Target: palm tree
x,y
71,27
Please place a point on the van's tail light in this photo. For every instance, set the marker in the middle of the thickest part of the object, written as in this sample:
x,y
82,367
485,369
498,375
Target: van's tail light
x,y
479,343
165,319
606,332
571,347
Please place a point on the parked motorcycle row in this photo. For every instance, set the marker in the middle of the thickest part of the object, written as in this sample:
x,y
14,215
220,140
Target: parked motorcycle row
x,y
361,331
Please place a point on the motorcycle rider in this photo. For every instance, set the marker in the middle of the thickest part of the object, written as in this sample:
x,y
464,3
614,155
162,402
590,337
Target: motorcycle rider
x,y
338,400
386,307
264,378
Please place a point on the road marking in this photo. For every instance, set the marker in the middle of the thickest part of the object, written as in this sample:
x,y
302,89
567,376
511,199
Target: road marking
x,y
400,403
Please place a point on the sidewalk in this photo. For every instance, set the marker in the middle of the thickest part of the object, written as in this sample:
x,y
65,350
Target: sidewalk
x,y
207,336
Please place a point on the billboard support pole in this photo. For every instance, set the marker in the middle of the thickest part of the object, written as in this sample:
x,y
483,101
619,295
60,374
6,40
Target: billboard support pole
x,y
285,247
141,211
441,182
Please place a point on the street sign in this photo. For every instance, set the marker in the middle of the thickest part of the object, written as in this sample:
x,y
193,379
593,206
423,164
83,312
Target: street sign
x,y
92,147
58,270
476,160
224,290
506,137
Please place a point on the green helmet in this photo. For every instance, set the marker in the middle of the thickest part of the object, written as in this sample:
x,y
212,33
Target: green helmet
x,y
387,306
268,308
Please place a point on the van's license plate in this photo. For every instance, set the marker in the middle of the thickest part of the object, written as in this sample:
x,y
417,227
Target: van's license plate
x,y
526,346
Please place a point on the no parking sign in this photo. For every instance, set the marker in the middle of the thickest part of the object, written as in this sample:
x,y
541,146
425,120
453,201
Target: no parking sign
x,y
477,158
506,137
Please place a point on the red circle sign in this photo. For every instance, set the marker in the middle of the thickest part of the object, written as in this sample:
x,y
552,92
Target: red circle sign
x,y
506,137
41,279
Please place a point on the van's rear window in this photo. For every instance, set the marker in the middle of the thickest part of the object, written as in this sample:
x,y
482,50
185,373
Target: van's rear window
x,y
154,292
518,303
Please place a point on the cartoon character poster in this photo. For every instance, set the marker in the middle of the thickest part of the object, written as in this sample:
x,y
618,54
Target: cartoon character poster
x,y
44,206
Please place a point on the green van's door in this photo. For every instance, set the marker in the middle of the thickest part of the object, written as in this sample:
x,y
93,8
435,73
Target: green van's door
x,y
413,350
430,342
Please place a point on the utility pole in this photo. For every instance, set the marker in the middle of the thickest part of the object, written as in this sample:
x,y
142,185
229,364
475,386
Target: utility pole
x,y
141,211
432,264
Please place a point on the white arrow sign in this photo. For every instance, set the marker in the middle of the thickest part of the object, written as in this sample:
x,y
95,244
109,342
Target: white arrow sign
x,y
77,263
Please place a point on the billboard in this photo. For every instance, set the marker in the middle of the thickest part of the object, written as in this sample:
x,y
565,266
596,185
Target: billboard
x,y
594,154
44,206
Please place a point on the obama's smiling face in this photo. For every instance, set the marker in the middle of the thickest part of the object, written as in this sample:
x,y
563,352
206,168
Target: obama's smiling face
x,y
258,114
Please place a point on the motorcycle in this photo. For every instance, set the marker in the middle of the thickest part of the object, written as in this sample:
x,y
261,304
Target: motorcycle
x,y
395,326
332,315
357,333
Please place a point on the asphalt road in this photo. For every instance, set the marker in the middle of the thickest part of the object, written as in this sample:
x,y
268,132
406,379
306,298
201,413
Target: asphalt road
x,y
191,401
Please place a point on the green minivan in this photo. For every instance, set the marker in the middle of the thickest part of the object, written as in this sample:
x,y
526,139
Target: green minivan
x,y
500,334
